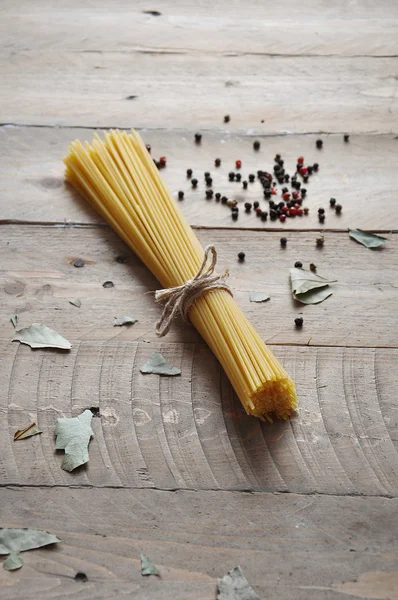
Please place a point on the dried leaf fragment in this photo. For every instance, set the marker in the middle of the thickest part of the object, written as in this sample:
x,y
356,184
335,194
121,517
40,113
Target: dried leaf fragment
x,y
13,562
41,336
147,566
258,297
308,287
73,435
30,430
14,320
119,321
13,541
234,586
370,240
76,302
158,365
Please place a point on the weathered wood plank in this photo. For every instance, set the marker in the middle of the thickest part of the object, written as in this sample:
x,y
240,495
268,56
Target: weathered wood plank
x,y
287,28
290,547
300,94
37,280
361,175
191,432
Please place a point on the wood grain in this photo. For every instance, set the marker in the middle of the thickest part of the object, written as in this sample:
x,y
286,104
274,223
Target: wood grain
x,y
299,94
360,174
190,432
290,547
37,280
286,28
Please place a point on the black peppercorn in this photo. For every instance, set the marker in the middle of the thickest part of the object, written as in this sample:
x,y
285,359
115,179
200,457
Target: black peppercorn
x,y
248,206
258,211
338,208
252,177
321,211
244,183
267,193
306,210
321,218
207,174
298,185
227,119
332,202
305,178
217,162
298,264
218,196
320,241
235,216
238,177
315,166
310,169
281,162
277,157
241,256
189,173
312,267
283,242
256,204
181,195
319,144
299,321
235,209
264,215
273,215
231,176
346,138
194,183
260,173
209,181
256,145
287,177
198,138
209,194
224,200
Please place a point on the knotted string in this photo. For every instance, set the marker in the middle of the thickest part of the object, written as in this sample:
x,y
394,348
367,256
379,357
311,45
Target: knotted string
x,y
179,299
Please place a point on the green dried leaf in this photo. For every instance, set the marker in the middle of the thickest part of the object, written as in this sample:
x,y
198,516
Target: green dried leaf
x,y
158,365
76,302
258,297
41,336
234,586
13,562
147,567
13,541
308,287
14,320
21,434
73,436
119,321
370,240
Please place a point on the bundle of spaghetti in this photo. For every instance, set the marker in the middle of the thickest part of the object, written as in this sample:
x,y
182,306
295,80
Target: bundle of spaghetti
x,y
117,176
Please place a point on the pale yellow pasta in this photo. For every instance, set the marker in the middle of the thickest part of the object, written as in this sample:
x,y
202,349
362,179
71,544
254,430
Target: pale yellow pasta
x,y
119,179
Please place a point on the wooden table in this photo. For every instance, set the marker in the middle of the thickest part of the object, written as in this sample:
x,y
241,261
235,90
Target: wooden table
x,y
307,508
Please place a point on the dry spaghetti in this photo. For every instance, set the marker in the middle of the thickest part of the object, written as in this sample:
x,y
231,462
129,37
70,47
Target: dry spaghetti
x,y
118,178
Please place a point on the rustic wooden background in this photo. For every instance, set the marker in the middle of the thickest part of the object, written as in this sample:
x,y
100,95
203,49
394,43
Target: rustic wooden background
x,y
177,471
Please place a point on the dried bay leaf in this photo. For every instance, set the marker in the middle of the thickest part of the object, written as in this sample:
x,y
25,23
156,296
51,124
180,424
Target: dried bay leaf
x,y
13,562
258,297
41,336
158,365
308,287
369,240
13,541
76,302
234,586
30,430
14,320
147,566
73,435
119,321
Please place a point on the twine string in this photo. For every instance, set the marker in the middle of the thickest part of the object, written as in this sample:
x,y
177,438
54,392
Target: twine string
x,y
178,300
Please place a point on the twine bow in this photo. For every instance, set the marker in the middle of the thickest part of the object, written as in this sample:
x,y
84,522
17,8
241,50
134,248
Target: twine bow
x,y
179,299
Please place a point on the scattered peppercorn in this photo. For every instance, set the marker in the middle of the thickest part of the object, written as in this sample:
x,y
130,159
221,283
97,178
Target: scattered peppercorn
x,y
319,144
198,138
194,183
108,284
273,215
299,212
312,267
332,202
283,241
315,166
227,119
244,183
321,218
282,218
121,259
292,212
238,164
305,179
162,161
256,145
231,176
207,174
224,200
248,206
320,241
181,195
241,256
299,321
238,177
258,211
209,194
189,173
346,138
264,215
310,169
321,211
217,162
306,210
209,182
277,157
235,216
300,160
218,196
256,204
298,264
252,178
338,208
235,209
79,262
